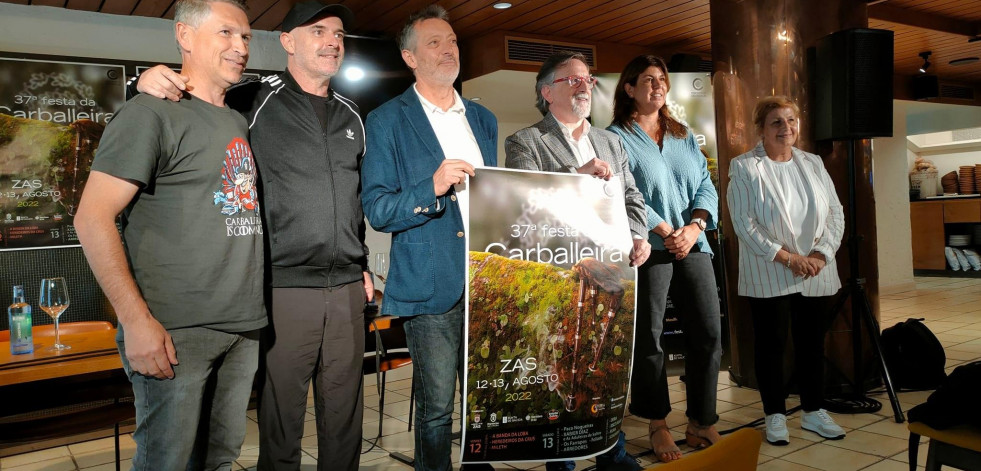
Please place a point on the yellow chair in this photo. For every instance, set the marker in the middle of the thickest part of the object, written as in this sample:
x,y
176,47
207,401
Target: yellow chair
x,y
737,451
958,447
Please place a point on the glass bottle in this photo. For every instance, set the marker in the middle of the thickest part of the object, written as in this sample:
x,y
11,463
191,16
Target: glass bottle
x,y
19,315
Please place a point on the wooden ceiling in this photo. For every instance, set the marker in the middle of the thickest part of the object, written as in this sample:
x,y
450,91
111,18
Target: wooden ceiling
x,y
940,26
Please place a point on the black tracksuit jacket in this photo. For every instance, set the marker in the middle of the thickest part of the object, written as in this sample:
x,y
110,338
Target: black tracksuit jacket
x,y
310,182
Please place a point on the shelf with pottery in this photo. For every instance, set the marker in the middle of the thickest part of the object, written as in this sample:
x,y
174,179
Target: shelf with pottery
x,y
933,221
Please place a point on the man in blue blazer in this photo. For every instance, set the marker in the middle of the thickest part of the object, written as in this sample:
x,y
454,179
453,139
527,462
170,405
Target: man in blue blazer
x,y
421,147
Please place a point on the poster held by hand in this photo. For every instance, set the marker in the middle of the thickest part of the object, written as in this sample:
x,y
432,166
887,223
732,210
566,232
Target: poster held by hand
x,y
551,299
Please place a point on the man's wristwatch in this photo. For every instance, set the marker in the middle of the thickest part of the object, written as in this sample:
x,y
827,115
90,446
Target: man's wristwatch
x,y
700,222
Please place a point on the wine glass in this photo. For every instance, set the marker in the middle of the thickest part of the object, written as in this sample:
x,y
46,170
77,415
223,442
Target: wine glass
x,y
381,266
54,301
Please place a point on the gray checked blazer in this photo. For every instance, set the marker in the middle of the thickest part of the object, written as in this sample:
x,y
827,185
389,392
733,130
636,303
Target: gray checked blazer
x,y
543,147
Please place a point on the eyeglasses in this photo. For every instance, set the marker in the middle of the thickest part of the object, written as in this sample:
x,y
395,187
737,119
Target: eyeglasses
x,y
575,81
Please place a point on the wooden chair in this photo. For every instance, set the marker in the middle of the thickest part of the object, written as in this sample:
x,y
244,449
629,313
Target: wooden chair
x,y
737,451
386,349
63,407
957,447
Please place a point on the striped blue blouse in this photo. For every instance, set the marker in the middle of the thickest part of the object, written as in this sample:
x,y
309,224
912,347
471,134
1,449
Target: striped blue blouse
x,y
674,181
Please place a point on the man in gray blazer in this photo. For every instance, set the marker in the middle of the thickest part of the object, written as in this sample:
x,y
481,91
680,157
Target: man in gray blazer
x,y
565,142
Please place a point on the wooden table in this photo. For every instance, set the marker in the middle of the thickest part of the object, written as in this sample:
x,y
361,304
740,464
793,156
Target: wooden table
x,y
90,372
91,352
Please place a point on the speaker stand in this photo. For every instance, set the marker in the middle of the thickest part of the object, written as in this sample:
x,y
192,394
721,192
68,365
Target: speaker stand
x,y
861,309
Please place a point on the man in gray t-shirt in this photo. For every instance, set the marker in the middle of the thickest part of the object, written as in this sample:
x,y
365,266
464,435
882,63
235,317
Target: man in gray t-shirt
x,y
187,287
193,233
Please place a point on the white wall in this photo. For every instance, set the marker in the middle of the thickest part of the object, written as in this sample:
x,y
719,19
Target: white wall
x,y
890,187
923,117
510,95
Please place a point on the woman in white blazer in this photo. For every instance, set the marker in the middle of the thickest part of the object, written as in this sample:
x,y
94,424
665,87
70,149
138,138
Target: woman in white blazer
x,y
789,223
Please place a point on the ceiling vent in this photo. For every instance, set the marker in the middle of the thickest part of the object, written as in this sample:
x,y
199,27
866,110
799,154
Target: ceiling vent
x,y
971,134
689,63
535,51
958,92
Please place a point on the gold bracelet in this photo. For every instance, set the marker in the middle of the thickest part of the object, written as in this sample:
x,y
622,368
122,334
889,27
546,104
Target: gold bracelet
x,y
788,261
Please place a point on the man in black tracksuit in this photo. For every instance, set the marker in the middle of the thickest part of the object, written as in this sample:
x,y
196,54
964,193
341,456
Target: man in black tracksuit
x,y
308,143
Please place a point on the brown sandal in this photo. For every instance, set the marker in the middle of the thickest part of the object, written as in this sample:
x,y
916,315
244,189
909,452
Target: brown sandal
x,y
664,454
700,436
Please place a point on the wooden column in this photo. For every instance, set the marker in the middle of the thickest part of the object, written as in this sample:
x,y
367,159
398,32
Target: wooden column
x,y
760,48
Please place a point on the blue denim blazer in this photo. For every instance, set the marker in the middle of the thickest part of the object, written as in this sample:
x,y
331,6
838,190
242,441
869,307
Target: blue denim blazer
x,y
428,255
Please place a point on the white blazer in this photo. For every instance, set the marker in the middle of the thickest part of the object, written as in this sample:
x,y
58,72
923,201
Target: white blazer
x,y
761,222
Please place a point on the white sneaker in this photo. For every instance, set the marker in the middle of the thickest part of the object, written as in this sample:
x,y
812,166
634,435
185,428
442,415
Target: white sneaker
x,y
776,430
822,424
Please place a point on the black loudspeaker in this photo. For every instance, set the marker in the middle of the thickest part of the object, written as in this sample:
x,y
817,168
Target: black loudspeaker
x,y
853,85
925,86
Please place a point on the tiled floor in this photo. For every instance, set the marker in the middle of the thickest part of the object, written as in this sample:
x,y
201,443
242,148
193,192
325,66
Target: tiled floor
x,y
951,306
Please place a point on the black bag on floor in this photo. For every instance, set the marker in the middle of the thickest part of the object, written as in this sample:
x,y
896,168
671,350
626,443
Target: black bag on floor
x,y
915,357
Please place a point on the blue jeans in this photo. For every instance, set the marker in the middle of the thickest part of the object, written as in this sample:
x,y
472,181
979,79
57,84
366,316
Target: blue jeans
x,y
436,345
614,455
196,420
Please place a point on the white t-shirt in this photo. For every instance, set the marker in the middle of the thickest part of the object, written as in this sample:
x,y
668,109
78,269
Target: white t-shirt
x,y
795,197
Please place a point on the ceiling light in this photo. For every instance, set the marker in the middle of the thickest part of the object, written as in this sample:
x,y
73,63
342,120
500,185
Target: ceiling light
x,y
964,61
502,5
926,62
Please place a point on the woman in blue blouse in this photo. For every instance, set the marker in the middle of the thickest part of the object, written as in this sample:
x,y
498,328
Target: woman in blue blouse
x,y
682,203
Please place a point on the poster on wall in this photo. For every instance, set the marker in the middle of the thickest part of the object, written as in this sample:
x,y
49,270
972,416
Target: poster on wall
x,y
52,115
550,303
689,101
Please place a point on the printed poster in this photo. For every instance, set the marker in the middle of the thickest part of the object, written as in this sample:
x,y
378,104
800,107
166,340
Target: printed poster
x,y
52,115
550,316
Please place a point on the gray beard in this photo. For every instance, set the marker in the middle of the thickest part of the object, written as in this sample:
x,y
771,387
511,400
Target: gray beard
x,y
581,110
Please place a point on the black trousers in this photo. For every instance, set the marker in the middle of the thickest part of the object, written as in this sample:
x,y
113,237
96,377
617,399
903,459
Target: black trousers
x,y
691,283
315,334
807,320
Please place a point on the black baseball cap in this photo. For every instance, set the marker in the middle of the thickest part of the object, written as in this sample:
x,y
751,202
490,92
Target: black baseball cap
x,y
305,12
